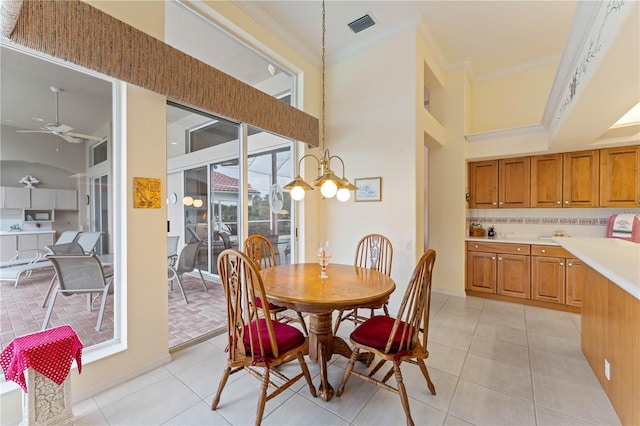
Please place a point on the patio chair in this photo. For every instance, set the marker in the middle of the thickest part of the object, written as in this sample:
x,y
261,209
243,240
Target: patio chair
x,y
256,344
172,248
67,249
14,273
259,249
399,339
65,237
373,251
88,241
187,262
79,275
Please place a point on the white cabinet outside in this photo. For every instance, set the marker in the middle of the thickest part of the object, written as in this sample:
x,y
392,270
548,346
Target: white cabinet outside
x,y
29,244
8,247
14,198
66,199
43,198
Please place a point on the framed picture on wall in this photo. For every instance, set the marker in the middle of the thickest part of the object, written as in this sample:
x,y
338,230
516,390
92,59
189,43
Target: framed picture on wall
x,y
369,189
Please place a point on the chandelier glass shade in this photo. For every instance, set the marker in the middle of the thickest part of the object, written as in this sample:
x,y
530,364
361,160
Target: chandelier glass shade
x,y
330,184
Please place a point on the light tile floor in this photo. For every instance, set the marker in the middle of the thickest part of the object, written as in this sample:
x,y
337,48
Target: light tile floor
x,y
492,363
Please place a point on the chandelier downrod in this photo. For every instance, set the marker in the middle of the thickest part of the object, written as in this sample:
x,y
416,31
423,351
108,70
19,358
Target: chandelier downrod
x,y
330,184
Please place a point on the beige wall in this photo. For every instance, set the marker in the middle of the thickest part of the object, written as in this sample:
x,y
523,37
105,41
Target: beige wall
x,y
371,125
511,101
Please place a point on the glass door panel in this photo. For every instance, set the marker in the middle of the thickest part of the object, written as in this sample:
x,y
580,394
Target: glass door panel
x,y
100,211
225,208
270,168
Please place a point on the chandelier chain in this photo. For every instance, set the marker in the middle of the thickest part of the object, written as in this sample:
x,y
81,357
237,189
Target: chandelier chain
x,y
323,73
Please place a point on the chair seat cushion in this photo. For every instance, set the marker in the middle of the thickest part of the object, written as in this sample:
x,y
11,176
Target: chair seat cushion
x,y
271,305
287,337
375,333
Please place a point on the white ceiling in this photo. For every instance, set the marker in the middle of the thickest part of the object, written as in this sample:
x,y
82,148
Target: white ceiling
x,y
493,37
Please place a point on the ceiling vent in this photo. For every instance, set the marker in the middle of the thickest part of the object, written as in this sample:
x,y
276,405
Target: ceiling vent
x,y
362,23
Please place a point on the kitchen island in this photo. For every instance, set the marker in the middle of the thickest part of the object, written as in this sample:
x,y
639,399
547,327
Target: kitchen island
x,y
611,318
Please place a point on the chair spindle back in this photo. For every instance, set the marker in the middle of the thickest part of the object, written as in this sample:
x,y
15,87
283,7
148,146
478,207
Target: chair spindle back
x,y
242,285
413,314
375,251
259,249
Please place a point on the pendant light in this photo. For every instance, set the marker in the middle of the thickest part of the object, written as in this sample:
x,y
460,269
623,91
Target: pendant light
x,y
330,184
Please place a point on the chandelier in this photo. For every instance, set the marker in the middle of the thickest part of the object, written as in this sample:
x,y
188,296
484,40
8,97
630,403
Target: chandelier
x,y
330,184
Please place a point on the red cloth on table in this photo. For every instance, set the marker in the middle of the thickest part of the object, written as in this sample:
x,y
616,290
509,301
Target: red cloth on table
x,y
49,352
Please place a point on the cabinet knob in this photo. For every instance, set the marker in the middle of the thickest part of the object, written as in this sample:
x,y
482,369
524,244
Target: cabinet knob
x,y
566,201
499,258
557,202
569,264
561,263
493,258
500,202
475,246
494,203
518,249
544,251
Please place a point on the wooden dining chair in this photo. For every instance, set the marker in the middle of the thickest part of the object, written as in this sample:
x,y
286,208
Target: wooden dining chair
x,y
256,343
261,252
399,339
373,251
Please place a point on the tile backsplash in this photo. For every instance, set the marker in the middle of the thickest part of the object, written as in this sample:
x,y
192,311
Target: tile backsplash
x,y
545,222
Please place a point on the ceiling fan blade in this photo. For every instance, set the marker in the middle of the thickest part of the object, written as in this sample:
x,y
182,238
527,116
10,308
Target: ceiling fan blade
x,y
69,138
34,131
81,136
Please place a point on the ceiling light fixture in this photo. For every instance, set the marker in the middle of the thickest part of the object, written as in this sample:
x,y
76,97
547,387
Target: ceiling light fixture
x,y
330,184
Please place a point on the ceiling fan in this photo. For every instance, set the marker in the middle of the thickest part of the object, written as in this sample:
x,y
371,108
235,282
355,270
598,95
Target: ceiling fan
x,y
62,130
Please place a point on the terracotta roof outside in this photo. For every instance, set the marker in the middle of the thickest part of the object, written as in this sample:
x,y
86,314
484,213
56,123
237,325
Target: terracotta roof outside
x,y
224,183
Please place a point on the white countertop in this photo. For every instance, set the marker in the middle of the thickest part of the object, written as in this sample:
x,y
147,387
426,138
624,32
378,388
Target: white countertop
x,y
44,231
515,240
618,260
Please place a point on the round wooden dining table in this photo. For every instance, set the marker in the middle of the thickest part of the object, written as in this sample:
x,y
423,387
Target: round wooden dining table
x,y
299,287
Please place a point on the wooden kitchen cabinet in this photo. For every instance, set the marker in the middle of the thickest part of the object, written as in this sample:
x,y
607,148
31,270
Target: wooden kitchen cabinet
x,y
498,268
546,181
513,275
574,282
620,177
514,182
499,183
481,271
581,172
556,276
548,270
483,184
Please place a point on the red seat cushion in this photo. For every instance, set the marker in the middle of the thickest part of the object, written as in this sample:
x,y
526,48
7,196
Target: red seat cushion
x,y
271,305
287,336
375,332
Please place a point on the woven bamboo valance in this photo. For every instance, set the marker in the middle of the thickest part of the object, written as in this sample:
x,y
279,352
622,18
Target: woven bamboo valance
x,y
78,33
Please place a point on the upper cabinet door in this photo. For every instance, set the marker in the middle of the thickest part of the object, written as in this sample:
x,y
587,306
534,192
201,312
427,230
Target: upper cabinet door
x,y
514,182
14,198
483,184
581,173
620,177
546,180
43,198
